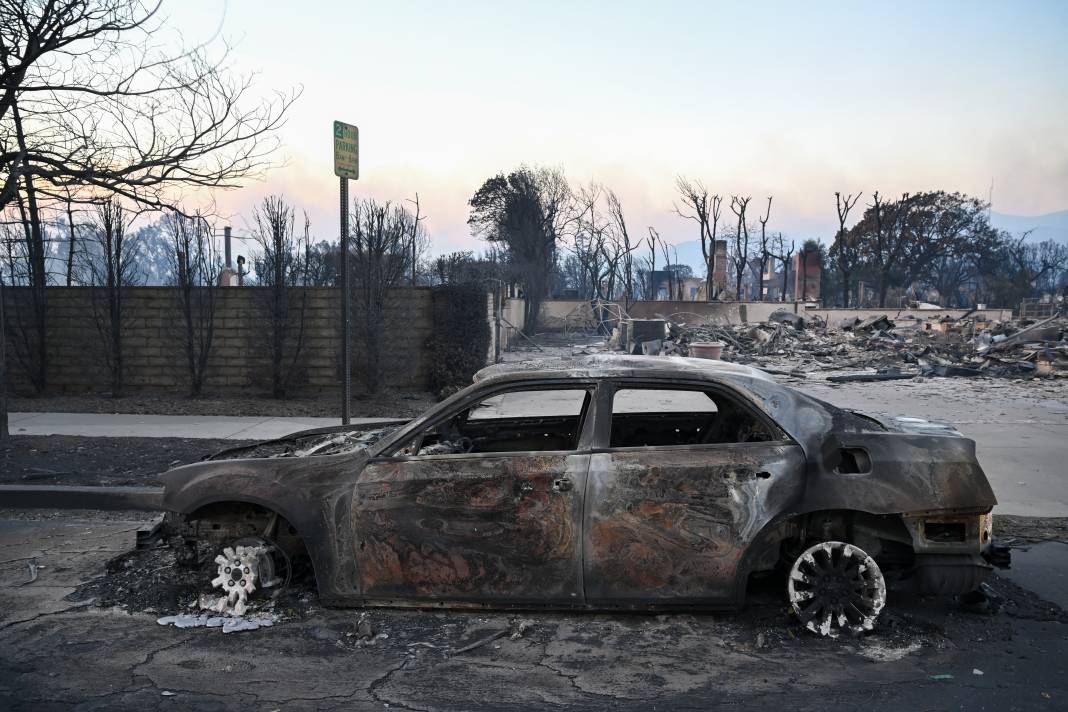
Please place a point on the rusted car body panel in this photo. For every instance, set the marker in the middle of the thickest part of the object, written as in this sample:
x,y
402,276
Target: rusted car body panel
x,y
598,526
504,528
672,526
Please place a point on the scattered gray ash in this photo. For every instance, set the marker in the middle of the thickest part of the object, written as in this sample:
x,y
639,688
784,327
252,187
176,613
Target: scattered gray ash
x,y
152,580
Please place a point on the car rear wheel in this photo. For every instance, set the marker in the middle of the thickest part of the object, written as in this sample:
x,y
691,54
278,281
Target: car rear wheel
x,y
834,586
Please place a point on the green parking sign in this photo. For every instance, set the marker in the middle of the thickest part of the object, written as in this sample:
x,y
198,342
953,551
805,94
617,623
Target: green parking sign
x,y
346,150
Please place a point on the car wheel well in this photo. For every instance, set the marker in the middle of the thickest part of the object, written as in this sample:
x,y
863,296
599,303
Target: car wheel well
x,y
882,536
222,522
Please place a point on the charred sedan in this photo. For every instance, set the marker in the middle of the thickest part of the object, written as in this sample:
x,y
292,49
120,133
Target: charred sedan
x,y
604,482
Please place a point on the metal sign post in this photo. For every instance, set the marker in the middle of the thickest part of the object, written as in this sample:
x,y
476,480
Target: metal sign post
x,y
346,165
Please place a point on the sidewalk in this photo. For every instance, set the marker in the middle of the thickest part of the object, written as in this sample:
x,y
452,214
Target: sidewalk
x,y
164,426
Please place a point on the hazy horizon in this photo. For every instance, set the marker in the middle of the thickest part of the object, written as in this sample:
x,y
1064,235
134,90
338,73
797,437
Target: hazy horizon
x,y
777,100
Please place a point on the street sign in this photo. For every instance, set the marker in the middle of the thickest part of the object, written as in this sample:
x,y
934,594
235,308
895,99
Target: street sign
x,y
346,150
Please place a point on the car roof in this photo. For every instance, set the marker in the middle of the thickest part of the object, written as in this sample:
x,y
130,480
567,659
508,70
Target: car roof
x,y
618,365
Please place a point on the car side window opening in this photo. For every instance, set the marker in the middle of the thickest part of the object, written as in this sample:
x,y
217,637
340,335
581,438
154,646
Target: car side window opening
x,y
650,417
512,421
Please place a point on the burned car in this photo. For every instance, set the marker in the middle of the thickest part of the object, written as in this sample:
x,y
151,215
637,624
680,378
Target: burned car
x,y
603,482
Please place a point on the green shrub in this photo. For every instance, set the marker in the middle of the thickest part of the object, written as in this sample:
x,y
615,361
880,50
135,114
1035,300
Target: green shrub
x,y
459,344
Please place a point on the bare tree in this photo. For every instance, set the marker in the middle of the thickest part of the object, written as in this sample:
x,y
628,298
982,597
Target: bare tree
x,y
196,267
4,433
601,246
416,242
765,251
845,250
704,209
625,248
588,242
279,269
653,242
92,102
72,239
382,235
673,289
110,266
102,105
784,256
741,242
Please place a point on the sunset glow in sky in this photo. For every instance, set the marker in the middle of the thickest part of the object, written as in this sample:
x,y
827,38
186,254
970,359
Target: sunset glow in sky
x,y
794,100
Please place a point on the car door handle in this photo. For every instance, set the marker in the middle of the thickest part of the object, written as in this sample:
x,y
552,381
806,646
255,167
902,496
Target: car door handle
x,y
746,474
562,485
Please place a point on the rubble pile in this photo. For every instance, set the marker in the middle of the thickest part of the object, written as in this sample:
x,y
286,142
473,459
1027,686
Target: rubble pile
x,y
893,348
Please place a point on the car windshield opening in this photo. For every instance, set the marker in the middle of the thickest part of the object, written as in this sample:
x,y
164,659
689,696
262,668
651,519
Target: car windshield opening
x,y
513,421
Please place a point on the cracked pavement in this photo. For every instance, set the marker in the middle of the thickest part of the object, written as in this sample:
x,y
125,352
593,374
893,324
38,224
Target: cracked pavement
x,y
59,654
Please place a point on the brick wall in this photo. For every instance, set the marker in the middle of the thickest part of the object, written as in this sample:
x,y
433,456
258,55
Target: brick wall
x,y
154,350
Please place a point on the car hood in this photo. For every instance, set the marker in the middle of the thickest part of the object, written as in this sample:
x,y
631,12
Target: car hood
x,y
333,440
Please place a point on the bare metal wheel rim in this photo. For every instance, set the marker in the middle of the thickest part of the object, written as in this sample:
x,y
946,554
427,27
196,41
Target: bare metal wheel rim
x,y
247,566
835,587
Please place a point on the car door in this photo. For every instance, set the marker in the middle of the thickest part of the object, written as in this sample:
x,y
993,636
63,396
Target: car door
x,y
483,505
681,480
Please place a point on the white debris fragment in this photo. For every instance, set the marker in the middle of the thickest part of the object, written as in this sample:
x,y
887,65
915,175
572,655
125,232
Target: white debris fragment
x,y
880,652
168,693
977,671
229,624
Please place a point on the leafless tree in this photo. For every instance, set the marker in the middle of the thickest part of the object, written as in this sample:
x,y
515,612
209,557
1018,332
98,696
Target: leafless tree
x,y
92,99
4,433
72,238
625,247
845,250
92,103
704,209
652,242
673,288
601,245
765,251
196,267
785,256
279,268
740,253
109,265
416,237
381,240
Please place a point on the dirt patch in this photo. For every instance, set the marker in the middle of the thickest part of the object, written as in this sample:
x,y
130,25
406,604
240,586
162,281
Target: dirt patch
x,y
77,460
386,404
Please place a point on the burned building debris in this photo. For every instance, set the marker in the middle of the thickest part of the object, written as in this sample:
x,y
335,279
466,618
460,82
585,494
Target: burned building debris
x,y
898,347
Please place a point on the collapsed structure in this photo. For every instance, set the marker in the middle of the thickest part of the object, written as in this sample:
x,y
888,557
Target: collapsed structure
x,y
969,346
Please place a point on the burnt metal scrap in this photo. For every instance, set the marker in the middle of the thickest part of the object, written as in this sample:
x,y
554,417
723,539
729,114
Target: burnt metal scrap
x,y
319,441
599,507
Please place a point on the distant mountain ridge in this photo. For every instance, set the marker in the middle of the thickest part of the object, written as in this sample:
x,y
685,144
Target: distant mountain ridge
x,y
1051,226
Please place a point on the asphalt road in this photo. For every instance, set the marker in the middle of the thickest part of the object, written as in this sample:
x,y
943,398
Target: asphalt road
x,y
59,654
